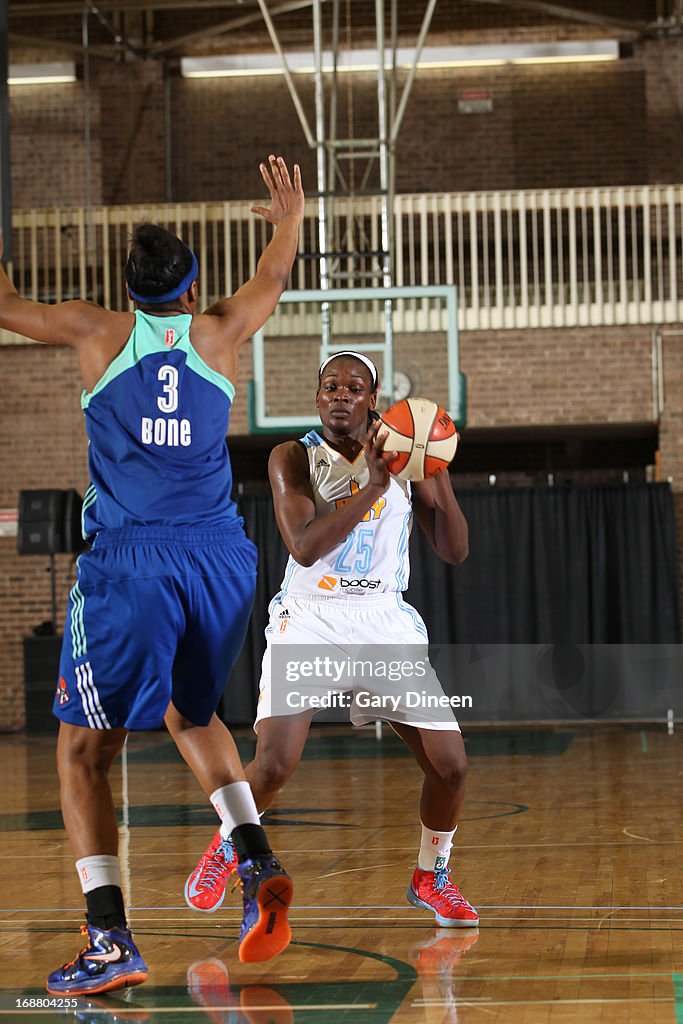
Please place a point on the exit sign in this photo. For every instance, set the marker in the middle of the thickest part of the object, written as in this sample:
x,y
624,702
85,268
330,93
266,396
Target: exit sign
x,y
475,101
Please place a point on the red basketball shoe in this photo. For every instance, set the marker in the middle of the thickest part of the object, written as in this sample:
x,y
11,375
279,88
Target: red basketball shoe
x,y
433,890
205,888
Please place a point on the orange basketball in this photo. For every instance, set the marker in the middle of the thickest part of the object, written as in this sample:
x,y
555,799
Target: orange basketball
x,y
423,435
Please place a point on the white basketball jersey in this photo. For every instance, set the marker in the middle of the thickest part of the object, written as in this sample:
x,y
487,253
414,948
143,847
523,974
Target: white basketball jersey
x,y
374,558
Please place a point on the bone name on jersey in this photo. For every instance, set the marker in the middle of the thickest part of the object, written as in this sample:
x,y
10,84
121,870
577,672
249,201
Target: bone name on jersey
x,y
167,430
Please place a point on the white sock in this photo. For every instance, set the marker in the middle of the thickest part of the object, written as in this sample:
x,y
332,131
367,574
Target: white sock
x,y
435,849
225,831
102,869
234,805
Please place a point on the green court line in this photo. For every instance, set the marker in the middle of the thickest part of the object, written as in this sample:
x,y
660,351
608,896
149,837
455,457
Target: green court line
x,y
643,741
368,1001
677,980
193,815
352,746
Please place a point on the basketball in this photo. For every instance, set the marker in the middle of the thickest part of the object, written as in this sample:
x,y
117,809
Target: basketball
x,y
423,435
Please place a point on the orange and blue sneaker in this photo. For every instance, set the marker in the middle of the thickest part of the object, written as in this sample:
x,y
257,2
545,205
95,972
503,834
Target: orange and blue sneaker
x,y
266,894
433,890
205,888
109,961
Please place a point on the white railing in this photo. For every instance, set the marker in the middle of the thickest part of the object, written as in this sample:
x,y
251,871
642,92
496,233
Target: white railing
x,y
553,258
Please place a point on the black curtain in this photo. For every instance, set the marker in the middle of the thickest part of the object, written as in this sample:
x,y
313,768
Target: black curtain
x,y
588,565
556,565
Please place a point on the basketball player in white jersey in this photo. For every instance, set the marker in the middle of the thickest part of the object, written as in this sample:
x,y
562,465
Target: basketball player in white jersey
x,y
346,522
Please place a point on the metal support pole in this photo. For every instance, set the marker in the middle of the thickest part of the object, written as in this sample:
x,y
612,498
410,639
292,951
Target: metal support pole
x,y
321,168
385,212
91,291
286,72
334,100
392,110
168,131
5,166
424,28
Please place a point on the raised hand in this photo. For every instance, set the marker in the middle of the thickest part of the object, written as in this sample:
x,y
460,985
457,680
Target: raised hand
x,y
285,197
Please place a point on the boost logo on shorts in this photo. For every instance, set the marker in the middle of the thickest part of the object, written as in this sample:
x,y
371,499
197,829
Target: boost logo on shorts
x,y
363,584
330,583
327,583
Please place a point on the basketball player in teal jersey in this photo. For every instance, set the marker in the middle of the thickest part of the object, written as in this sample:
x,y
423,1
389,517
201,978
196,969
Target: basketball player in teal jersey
x,y
346,522
162,600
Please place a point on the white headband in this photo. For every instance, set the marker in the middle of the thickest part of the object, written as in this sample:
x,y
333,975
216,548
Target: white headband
x,y
374,376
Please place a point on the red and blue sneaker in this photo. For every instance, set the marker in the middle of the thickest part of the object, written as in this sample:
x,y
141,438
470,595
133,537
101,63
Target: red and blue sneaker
x,y
205,888
433,890
109,961
266,893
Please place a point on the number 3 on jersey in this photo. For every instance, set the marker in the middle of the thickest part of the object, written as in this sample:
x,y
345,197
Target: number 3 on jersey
x,y
166,431
169,403
356,555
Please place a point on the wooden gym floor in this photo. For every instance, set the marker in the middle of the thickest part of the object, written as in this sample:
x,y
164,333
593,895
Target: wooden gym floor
x,y
570,848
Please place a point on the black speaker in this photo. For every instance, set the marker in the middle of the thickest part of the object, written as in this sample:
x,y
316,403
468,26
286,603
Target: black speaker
x,y
41,522
49,522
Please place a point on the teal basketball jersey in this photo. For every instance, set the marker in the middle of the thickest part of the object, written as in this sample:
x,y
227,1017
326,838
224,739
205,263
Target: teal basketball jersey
x,y
157,423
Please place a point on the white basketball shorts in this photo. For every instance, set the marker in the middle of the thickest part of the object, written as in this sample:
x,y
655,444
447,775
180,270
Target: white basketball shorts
x,y
368,654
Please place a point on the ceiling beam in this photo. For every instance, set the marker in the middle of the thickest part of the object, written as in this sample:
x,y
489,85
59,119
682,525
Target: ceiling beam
x,y
45,8
63,45
167,46
572,14
119,38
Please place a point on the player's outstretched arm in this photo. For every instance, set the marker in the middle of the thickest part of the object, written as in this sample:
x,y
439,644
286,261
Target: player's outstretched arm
x,y
251,305
308,537
64,323
440,516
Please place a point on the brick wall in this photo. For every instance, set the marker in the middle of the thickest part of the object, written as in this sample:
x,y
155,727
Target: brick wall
x,y
664,103
47,147
671,427
566,376
132,136
556,125
514,378
44,446
550,126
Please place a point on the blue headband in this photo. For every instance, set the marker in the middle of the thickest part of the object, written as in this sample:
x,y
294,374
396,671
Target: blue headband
x,y
174,293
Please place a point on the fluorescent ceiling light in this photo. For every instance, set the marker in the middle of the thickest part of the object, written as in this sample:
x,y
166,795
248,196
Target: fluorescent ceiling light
x,y
42,74
303,61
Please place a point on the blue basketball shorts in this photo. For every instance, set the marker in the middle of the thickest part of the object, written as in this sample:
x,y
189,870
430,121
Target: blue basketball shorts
x,y
157,614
